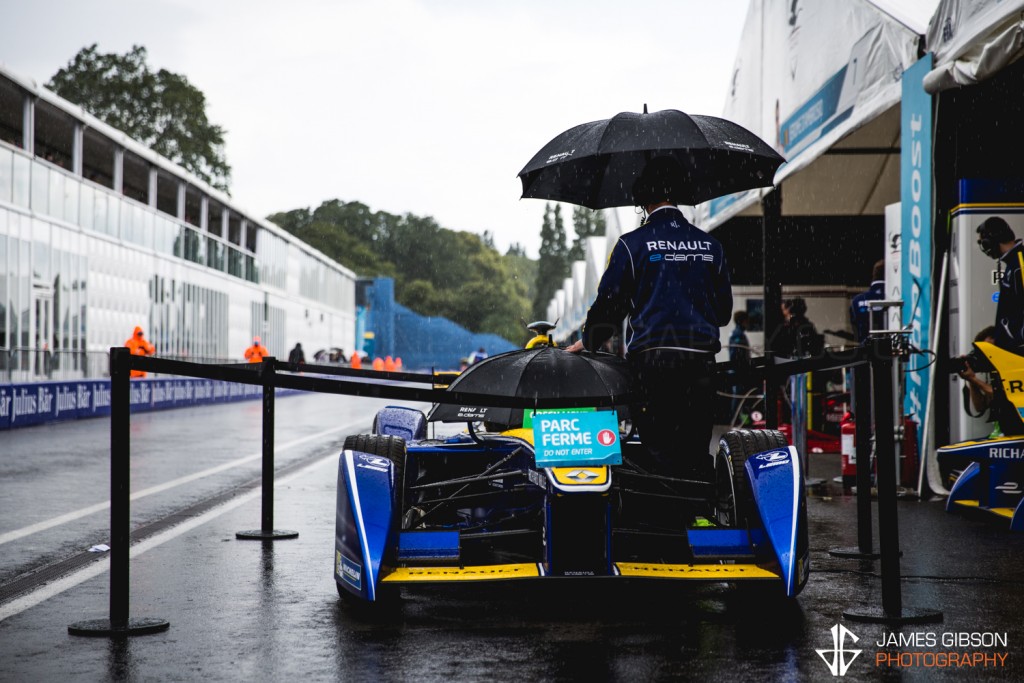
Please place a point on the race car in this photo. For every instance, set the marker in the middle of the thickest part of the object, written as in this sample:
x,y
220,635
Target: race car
x,y
992,470
486,506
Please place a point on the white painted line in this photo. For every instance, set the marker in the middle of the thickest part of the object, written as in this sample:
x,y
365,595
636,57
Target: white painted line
x,y
54,588
14,535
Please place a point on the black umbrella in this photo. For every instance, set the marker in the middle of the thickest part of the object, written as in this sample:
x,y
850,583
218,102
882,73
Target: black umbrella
x,y
541,372
595,164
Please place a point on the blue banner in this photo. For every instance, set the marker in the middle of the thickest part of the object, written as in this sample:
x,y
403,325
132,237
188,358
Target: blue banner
x,y
577,439
23,405
916,219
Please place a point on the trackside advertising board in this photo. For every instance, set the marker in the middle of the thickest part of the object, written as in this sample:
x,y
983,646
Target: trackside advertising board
x,y
916,222
23,405
577,439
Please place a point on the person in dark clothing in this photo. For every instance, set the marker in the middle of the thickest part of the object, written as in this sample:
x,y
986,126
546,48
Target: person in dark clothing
x,y
861,315
997,241
797,336
297,355
670,281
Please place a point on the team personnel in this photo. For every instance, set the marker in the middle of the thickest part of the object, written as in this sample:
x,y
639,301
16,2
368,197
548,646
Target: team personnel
x,y
997,241
257,352
669,279
861,315
139,346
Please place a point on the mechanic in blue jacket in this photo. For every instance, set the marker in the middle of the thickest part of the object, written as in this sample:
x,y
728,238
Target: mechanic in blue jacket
x,y
669,280
861,315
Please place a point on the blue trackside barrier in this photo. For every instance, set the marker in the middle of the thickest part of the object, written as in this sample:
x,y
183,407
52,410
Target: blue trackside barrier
x,y
33,403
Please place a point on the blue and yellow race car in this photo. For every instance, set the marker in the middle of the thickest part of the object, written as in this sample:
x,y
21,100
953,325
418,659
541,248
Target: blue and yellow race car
x,y
483,505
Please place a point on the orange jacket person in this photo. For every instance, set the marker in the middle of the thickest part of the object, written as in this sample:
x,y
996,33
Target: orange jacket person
x,y
357,362
257,352
139,347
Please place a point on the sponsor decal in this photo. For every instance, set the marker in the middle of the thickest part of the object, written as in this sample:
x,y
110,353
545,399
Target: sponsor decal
x,y
351,572
1010,487
772,459
1006,453
472,573
583,475
373,462
717,572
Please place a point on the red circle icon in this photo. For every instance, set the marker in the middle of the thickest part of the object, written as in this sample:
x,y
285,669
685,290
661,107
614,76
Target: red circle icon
x,y
606,437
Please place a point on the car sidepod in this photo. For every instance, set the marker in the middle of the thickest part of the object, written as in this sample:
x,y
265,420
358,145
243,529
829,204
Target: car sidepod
x,y
777,486
364,521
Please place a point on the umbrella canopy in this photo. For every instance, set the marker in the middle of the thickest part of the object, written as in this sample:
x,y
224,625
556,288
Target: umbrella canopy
x,y
541,372
595,164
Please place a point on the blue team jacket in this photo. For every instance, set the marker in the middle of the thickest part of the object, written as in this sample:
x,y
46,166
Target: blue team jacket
x,y
671,282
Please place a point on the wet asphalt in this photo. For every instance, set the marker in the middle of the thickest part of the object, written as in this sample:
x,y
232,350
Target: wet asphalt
x,y
269,611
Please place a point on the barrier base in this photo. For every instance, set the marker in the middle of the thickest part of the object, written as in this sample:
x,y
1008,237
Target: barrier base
x,y
854,553
908,615
104,627
270,535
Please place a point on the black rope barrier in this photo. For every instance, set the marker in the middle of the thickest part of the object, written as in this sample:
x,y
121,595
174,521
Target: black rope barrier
x,y
381,384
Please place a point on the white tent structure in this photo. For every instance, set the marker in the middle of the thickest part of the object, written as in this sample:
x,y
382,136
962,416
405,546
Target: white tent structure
x,y
973,40
821,83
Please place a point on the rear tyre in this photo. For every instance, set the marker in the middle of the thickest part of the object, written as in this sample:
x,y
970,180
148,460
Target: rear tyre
x,y
735,447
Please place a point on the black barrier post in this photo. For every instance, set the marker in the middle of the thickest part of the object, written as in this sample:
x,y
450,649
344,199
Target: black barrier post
x,y
892,611
861,402
119,624
267,532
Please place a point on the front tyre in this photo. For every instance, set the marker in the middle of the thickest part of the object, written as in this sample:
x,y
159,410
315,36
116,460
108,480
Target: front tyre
x,y
734,448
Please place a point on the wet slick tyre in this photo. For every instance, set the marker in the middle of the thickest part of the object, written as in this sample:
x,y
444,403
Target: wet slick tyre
x,y
392,448
736,446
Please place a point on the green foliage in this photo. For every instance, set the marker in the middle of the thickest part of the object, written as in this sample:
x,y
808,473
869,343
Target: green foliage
x,y
438,272
161,110
553,265
586,223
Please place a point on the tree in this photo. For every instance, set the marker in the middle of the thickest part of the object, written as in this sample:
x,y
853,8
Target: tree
x,y
438,272
586,223
161,110
553,265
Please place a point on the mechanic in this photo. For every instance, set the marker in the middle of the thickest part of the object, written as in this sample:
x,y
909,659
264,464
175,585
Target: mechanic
x,y
257,352
997,241
669,279
988,395
861,315
139,346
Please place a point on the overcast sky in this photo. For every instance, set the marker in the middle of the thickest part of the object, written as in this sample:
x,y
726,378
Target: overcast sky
x,y
423,106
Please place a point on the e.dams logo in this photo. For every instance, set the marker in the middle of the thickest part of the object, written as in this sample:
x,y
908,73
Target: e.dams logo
x,y
839,664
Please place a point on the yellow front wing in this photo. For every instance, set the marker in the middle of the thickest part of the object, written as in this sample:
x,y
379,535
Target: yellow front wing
x,y
648,570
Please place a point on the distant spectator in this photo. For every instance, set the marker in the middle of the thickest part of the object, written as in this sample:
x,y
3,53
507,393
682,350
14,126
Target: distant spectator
x,y
297,356
357,361
477,356
257,352
139,346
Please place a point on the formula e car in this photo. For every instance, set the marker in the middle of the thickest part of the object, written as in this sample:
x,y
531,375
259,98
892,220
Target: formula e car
x,y
993,479
477,506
